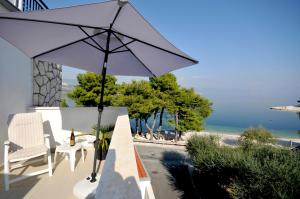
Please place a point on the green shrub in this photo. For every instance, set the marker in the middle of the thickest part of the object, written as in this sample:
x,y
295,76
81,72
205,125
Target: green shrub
x,y
63,103
262,171
259,135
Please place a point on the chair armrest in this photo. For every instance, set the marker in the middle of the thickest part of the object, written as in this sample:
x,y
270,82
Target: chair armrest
x,y
6,142
46,135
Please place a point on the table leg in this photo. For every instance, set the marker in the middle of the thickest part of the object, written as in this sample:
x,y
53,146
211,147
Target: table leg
x,y
82,154
72,159
67,156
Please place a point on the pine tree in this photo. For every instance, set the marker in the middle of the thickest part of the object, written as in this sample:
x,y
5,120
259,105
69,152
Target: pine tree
x,y
87,92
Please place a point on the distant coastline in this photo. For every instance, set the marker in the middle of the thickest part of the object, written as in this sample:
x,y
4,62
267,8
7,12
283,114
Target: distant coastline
x,y
238,131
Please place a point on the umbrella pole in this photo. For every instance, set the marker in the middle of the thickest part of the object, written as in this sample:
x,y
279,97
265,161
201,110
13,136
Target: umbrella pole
x,y
100,111
100,107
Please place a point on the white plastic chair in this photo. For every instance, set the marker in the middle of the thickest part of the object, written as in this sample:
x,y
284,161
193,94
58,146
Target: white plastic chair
x,y
26,141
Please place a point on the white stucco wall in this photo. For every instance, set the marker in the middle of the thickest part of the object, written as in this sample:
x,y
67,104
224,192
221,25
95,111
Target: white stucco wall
x,y
15,85
119,177
59,121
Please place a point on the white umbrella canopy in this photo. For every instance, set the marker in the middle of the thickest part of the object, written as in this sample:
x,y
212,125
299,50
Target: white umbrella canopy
x,y
77,36
109,37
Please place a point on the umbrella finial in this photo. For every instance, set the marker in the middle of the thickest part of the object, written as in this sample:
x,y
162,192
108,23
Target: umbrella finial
x,y
122,2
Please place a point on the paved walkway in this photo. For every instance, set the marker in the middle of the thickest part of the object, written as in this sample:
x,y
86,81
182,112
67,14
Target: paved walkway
x,y
164,165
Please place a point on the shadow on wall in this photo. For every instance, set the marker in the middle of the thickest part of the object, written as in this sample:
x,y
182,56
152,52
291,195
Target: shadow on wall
x,y
48,130
82,119
78,118
112,184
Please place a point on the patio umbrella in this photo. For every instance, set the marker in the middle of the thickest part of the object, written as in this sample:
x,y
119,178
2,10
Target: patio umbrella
x,y
108,37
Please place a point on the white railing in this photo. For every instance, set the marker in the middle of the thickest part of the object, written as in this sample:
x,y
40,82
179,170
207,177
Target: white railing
x,y
29,5
58,121
144,180
119,177
149,193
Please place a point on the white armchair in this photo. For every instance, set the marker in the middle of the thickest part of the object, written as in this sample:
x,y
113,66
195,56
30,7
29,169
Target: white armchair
x,y
26,141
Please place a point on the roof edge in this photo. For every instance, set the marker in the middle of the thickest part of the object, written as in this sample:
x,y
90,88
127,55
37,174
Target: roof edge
x,y
9,6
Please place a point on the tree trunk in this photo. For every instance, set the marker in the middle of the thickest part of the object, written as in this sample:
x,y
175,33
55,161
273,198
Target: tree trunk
x,y
153,124
176,125
180,134
136,126
160,119
150,129
160,123
141,126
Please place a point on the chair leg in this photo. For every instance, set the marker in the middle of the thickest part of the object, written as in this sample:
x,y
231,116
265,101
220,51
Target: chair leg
x,y
6,176
6,169
47,142
49,162
54,161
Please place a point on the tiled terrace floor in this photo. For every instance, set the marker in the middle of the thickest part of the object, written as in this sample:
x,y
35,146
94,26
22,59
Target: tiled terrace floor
x,y
60,185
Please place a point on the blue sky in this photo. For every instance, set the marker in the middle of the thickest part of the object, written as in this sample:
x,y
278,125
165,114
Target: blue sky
x,y
248,51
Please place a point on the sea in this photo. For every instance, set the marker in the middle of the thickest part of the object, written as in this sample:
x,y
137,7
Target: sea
x,y
234,119
281,124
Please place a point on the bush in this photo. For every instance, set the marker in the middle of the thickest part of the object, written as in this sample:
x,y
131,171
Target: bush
x,y
63,103
261,172
259,135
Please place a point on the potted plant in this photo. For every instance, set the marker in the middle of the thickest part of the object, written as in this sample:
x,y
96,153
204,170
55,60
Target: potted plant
x,y
105,137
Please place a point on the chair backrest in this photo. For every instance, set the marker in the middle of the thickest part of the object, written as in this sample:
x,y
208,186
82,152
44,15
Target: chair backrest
x,y
25,130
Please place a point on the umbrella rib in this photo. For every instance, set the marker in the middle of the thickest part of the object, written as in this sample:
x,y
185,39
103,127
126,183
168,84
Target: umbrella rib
x,y
91,38
116,16
53,22
134,54
93,46
121,46
156,47
65,45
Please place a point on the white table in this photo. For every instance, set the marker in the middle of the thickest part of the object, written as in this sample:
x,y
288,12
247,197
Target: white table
x,y
71,152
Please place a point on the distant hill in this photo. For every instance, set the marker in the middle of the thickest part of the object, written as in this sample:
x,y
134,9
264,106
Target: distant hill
x,y
72,82
67,86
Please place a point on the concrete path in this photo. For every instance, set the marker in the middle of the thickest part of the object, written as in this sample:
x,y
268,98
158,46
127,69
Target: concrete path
x,y
169,179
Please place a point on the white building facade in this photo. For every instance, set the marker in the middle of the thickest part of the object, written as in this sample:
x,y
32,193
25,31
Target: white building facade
x,y
18,86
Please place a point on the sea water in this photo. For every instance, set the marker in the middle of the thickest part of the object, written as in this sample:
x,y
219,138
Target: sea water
x,y
234,116
280,123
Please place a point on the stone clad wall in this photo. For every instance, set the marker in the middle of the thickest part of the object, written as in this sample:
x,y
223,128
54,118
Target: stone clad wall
x,y
47,83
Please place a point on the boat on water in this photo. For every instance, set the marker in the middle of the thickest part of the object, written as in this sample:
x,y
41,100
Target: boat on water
x,y
287,108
